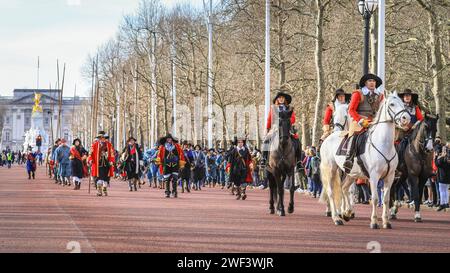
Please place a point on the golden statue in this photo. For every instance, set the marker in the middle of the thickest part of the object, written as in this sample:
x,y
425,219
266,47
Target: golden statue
x,y
37,101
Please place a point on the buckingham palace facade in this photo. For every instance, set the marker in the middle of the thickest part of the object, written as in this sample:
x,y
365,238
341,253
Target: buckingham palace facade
x,y
16,110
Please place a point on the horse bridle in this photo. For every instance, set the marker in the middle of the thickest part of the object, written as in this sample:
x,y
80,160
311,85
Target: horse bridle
x,y
394,118
342,126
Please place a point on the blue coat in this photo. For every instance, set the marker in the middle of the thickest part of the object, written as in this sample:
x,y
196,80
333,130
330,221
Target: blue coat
x,y
31,162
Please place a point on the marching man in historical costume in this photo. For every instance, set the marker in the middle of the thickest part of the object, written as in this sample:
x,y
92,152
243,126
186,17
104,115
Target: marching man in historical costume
x,y
340,98
101,159
132,159
78,155
198,167
152,169
53,161
241,168
363,107
63,162
186,173
281,103
171,160
31,164
411,101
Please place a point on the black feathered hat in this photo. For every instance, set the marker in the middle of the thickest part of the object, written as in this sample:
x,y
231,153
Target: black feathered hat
x,y
367,77
163,140
285,95
339,92
414,96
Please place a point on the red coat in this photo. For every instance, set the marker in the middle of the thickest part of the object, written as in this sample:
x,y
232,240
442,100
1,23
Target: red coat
x,y
162,153
328,115
269,121
419,115
94,157
354,104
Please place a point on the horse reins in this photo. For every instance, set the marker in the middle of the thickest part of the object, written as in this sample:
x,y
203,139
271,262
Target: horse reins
x,y
394,119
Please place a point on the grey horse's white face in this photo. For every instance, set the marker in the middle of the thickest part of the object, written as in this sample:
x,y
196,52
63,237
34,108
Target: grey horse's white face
x,y
397,111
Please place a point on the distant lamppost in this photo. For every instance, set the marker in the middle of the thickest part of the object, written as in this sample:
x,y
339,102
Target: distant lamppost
x,y
366,9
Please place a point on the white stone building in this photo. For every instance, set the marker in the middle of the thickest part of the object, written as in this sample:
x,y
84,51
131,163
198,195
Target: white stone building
x,y
15,111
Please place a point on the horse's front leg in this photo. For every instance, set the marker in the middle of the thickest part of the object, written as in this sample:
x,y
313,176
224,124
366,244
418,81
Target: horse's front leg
x,y
415,195
388,181
374,193
292,193
272,192
280,188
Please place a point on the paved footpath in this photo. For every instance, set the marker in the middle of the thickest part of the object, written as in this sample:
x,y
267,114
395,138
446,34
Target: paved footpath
x,y
39,216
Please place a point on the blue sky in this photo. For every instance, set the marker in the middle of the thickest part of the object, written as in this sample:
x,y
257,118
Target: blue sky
x,y
67,30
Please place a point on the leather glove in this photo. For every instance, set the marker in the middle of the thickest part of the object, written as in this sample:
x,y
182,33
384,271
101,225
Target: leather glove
x,y
363,123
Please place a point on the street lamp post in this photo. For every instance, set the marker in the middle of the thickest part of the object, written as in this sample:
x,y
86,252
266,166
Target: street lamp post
x,y
366,9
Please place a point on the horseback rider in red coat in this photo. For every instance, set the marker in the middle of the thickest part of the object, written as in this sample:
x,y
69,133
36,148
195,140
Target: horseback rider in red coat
x,y
281,102
363,107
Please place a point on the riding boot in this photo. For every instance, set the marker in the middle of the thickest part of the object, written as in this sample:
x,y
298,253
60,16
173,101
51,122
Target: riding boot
x,y
349,157
33,175
135,184
29,175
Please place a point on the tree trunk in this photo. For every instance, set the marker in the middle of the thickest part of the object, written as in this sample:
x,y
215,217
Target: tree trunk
x,y
436,68
282,66
320,102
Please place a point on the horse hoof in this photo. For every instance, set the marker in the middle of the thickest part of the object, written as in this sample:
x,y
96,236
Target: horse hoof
x,y
281,213
346,218
374,226
338,223
387,226
272,211
352,216
418,220
328,214
291,210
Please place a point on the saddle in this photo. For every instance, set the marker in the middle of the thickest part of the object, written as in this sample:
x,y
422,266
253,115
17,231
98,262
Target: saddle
x,y
360,145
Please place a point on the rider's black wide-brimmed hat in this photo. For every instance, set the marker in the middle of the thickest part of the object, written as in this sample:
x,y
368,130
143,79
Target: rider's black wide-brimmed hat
x,y
341,91
101,134
163,140
285,95
414,96
367,77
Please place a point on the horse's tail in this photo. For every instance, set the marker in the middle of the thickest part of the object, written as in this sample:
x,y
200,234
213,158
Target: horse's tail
x,y
325,177
330,179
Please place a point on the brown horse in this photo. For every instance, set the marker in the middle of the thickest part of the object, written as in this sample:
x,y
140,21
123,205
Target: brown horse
x,y
281,163
416,165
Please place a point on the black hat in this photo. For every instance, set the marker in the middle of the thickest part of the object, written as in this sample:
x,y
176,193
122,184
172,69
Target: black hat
x,y
212,149
285,95
367,77
75,140
195,147
414,96
131,138
163,140
101,134
341,91
237,139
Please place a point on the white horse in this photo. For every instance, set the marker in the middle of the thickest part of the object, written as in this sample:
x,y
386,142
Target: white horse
x,y
341,123
380,159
